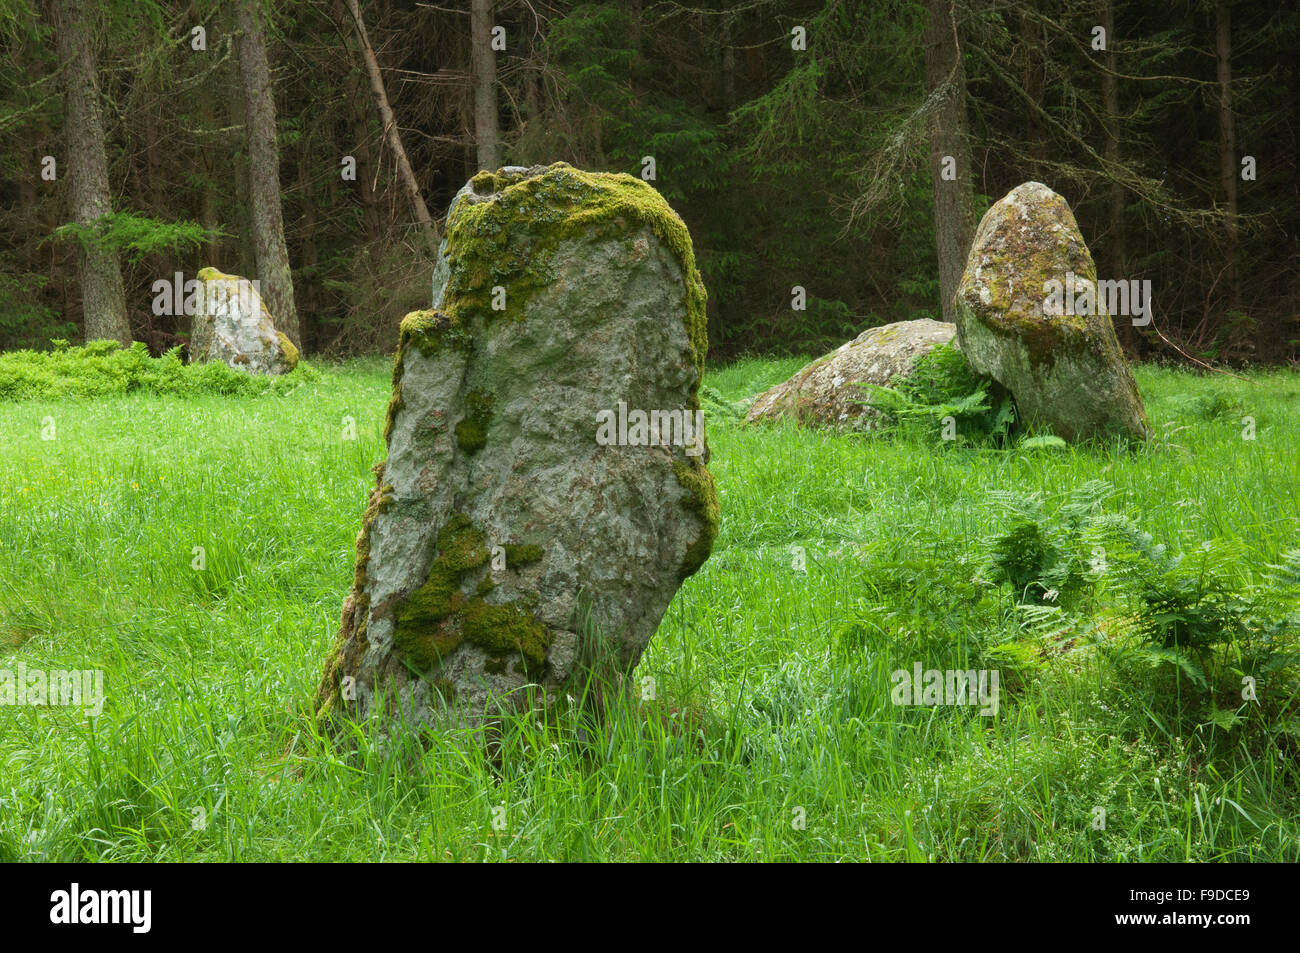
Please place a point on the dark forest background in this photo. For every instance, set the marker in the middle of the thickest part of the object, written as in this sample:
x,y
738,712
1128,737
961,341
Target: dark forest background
x,y
800,140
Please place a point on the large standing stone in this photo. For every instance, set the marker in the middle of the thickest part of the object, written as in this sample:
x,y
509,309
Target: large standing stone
x,y
1065,370
231,324
825,393
506,542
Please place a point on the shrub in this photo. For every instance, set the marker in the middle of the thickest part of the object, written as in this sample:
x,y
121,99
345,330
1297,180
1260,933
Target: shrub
x,y
1200,626
1046,558
943,385
103,368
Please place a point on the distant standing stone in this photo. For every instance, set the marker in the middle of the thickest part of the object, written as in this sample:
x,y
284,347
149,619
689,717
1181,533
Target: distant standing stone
x,y
825,393
233,325
1065,369
545,492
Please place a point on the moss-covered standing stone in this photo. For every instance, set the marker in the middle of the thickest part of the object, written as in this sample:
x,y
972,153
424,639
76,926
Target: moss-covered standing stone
x,y
502,538
1065,370
231,324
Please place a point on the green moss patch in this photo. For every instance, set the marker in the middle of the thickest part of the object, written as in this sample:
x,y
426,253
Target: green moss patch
x,y
432,331
509,240
485,183
519,554
290,352
380,499
471,432
505,630
356,609
460,545
702,499
438,617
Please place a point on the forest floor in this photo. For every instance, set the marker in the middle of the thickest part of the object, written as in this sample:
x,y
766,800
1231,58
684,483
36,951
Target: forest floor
x,y
772,733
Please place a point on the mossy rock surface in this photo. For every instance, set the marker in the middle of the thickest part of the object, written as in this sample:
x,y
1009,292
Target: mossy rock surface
x,y
827,392
231,324
506,548
1066,370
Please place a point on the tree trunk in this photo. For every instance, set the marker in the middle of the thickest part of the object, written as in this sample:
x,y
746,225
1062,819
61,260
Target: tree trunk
x,y
728,66
210,252
1032,78
1116,259
103,300
953,199
310,256
264,175
422,217
357,116
245,262
485,85
1227,143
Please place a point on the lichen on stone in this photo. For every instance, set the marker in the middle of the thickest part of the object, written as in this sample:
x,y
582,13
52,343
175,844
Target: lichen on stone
x,y
443,615
1064,366
1013,241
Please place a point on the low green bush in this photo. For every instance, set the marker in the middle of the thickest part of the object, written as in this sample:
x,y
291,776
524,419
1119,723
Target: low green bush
x,y
943,385
101,368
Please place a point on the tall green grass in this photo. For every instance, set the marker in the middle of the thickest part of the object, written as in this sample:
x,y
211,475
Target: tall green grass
x,y
772,734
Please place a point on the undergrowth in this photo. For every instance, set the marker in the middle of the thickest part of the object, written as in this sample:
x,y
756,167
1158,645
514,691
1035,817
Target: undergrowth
x,y
943,394
103,368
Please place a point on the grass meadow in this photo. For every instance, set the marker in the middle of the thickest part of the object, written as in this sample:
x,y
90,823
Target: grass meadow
x,y
771,735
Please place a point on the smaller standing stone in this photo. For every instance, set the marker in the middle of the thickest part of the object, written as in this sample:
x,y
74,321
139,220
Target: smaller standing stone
x,y
232,325
1065,369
